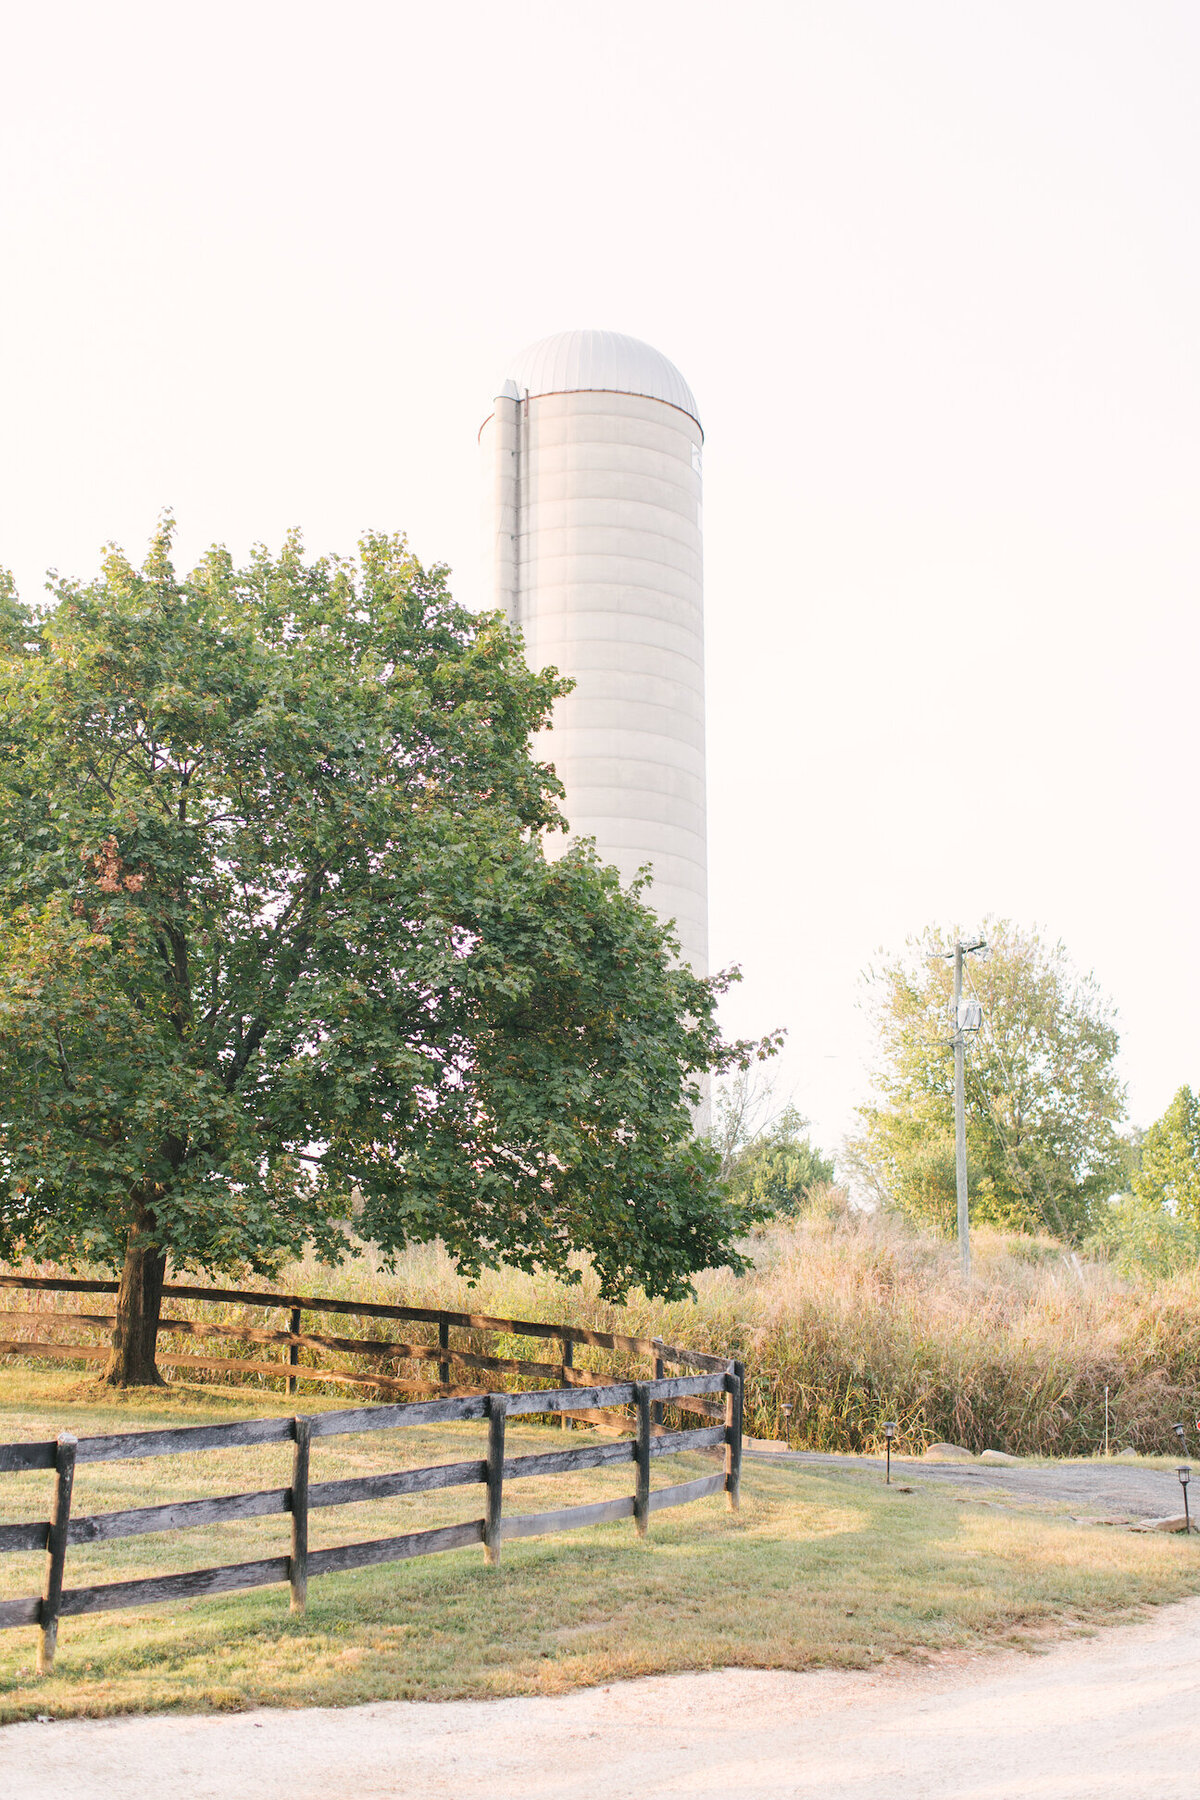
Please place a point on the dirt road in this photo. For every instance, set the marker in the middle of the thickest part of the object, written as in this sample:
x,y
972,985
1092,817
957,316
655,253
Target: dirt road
x,y
1114,1715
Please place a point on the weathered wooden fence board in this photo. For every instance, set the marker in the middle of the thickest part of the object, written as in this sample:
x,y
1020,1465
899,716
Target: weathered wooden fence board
x,y
20,1612
183,1515
151,1590
672,1442
16,1457
399,1351
402,1481
25,1537
388,1418
569,1518
561,1462
685,1491
59,1352
395,1549
178,1440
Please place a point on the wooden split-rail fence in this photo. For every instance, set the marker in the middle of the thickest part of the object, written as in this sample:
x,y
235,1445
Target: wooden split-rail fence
x,y
713,1390
57,1533
434,1368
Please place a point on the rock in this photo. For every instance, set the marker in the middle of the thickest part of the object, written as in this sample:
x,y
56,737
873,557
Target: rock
x,y
1128,1452
999,1456
1176,1522
948,1453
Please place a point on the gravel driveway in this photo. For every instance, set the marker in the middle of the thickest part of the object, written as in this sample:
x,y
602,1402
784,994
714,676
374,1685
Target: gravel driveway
x,y
1114,1715
1130,1491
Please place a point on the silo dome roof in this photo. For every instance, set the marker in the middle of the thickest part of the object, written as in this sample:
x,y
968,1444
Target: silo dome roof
x,y
578,362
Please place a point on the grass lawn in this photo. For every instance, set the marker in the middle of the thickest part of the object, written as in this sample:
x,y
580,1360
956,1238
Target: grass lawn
x,y
819,1569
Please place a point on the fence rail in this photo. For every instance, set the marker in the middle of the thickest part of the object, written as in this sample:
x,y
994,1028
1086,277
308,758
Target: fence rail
x,y
64,1454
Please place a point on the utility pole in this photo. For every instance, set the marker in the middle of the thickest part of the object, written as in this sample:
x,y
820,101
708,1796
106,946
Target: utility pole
x,y
966,1018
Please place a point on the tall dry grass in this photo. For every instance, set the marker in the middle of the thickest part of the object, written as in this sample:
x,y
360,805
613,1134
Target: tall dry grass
x,y
854,1319
858,1319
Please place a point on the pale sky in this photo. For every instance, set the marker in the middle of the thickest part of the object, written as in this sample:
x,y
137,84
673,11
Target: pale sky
x,y
932,271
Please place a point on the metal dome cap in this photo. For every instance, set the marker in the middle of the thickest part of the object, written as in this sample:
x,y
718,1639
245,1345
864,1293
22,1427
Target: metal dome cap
x,y
580,362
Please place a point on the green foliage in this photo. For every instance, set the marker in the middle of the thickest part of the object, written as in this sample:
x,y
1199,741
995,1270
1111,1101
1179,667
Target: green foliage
x,y
774,1174
1169,1174
1139,1237
1043,1099
1155,1228
16,625
278,940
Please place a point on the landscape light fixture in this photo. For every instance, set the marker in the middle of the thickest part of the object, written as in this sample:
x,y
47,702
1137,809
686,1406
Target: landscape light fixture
x,y
786,1410
889,1432
1185,1475
1181,1435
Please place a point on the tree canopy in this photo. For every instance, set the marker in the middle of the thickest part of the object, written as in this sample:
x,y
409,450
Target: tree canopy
x,y
1043,1099
768,1163
1168,1172
279,939
775,1174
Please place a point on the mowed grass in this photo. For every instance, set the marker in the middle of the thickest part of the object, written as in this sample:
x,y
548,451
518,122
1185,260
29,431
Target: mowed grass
x,y
818,1570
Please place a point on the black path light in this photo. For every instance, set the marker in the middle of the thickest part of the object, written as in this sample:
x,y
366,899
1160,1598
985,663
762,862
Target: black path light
x,y
889,1432
1185,1475
1182,1436
786,1410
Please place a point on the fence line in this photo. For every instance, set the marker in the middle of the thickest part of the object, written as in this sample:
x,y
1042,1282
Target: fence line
x,y
57,1533
443,1355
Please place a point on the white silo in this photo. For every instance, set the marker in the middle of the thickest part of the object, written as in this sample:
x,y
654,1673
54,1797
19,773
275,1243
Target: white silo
x,y
593,460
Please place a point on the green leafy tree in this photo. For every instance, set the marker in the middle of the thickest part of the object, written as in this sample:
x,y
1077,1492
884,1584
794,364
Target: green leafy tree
x,y
767,1161
1168,1175
279,941
1043,1099
16,625
775,1173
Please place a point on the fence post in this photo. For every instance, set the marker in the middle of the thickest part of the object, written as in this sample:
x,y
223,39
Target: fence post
x,y
733,1436
656,1417
293,1350
56,1550
444,1344
497,1408
298,1562
641,1499
568,1357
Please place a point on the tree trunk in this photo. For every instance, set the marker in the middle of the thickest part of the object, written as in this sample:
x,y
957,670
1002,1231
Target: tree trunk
x,y
139,1301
